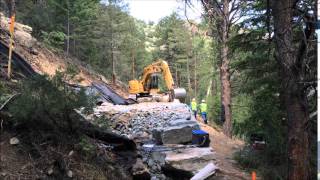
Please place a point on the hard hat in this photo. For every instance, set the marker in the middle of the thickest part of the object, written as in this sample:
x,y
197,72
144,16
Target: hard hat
x,y
203,100
193,99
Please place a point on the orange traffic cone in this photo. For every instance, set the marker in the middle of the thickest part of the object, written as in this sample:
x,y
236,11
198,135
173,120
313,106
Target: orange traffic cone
x,y
253,175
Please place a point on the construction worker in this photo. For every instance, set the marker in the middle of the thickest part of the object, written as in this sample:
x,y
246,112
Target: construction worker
x,y
203,110
194,107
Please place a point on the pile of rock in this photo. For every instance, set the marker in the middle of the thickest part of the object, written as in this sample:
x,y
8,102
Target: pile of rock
x,y
167,123
161,128
187,160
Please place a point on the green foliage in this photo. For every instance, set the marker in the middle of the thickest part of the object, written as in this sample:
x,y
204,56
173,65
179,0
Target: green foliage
x,y
102,122
3,98
214,108
256,160
94,32
190,54
47,104
102,33
86,147
55,38
256,102
3,88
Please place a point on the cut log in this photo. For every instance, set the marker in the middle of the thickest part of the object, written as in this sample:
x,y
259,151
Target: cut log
x,y
206,172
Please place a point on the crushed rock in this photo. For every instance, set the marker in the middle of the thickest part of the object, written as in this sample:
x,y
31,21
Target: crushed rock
x,y
138,120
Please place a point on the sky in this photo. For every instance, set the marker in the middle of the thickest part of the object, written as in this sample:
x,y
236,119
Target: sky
x,y
154,10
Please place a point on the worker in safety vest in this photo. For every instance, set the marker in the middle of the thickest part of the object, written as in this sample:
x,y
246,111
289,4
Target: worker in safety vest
x,y
203,110
194,107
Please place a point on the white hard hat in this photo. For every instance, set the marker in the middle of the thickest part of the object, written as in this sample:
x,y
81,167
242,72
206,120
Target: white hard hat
x,y
193,99
203,100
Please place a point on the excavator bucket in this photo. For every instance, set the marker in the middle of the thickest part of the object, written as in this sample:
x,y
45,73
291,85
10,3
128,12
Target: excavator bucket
x,y
179,93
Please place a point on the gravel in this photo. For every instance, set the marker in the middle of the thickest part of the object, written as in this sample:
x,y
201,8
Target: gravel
x,y
139,120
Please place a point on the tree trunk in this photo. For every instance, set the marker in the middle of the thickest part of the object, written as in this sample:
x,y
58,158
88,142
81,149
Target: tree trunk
x,y
133,63
11,6
189,80
225,74
226,91
209,89
74,44
113,68
176,74
113,63
294,98
195,76
68,31
112,52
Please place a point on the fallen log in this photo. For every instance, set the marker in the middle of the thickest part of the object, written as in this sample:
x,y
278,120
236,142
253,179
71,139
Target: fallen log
x,y
7,101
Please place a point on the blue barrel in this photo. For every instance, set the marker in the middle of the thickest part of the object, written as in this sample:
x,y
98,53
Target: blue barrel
x,y
200,138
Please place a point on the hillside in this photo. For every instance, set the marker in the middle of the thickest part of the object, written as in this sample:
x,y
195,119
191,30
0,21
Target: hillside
x,y
45,61
247,69
29,158
43,162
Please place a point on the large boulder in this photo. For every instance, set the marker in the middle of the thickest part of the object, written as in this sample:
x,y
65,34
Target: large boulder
x,y
22,34
189,159
178,132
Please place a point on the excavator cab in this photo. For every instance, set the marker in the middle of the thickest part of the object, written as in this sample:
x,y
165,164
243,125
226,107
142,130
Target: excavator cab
x,y
153,83
148,86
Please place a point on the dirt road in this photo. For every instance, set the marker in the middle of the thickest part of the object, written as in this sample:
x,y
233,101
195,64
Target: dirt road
x,y
225,148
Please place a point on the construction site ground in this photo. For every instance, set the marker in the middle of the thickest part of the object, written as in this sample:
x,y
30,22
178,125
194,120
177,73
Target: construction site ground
x,y
225,149
15,163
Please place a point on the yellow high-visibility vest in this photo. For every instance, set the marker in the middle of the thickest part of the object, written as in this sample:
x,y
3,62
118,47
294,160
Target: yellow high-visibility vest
x,y
203,107
193,105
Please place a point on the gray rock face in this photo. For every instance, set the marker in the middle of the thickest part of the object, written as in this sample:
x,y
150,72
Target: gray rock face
x,y
169,123
179,122
178,132
189,159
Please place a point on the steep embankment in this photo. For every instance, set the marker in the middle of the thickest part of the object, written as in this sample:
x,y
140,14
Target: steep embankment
x,y
45,61
29,158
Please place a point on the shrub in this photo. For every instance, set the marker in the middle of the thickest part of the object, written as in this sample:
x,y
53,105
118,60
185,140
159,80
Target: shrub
x,y
54,38
86,147
258,161
214,111
48,104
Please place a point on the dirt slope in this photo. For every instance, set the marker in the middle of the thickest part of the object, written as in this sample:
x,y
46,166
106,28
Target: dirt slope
x,y
16,162
45,61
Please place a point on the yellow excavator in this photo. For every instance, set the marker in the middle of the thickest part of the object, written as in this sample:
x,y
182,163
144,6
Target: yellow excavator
x,y
148,85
